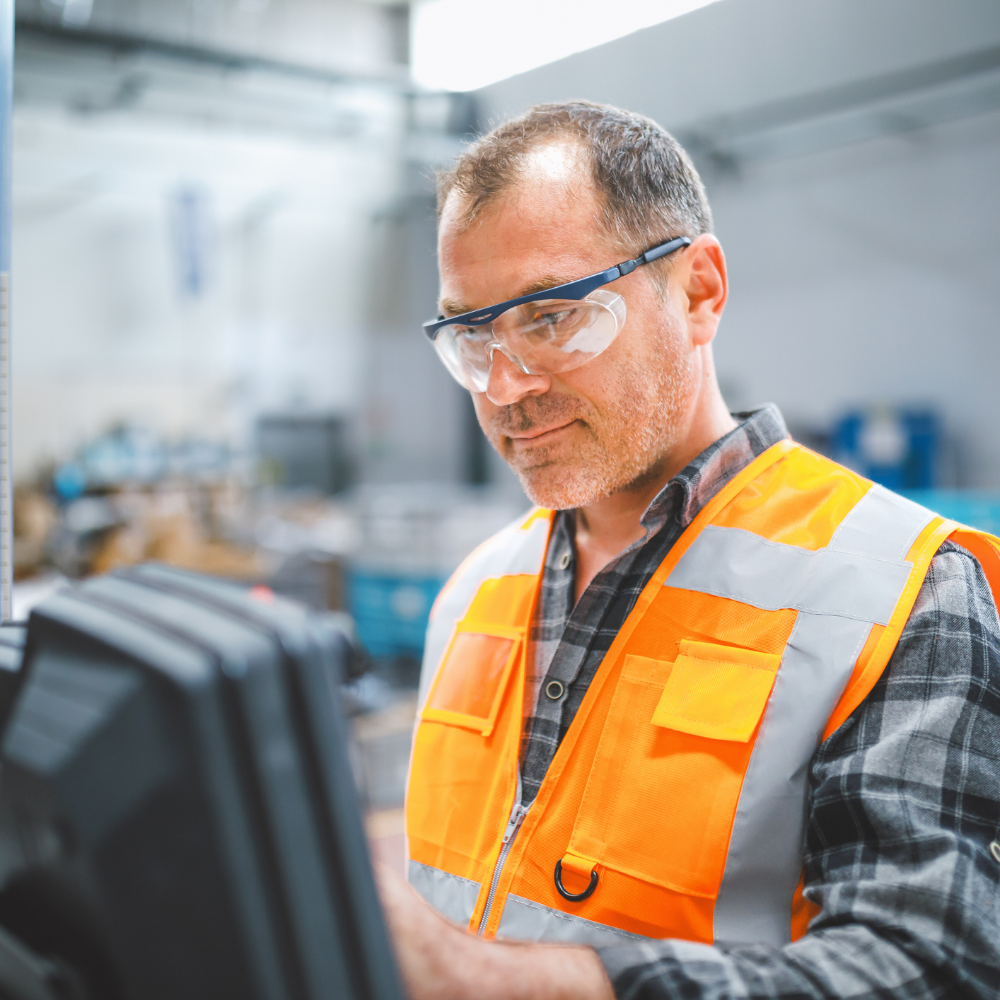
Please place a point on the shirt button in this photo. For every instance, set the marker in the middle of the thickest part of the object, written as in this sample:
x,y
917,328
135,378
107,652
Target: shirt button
x,y
995,850
554,691
564,560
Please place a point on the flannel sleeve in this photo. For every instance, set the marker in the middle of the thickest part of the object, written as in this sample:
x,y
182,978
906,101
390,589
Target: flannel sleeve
x,y
905,800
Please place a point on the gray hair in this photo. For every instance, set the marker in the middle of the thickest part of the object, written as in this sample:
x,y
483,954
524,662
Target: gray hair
x,y
649,186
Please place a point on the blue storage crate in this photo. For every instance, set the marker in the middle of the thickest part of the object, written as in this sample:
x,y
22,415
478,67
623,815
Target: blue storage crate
x,y
976,508
898,448
391,610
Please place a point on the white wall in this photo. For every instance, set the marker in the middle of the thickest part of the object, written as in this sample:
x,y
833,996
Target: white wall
x,y
102,330
861,273
868,274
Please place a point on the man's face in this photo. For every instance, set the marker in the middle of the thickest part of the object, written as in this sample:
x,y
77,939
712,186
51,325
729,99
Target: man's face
x,y
575,438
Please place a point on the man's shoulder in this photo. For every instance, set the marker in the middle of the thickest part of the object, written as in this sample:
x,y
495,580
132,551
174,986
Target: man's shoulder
x,y
955,594
926,735
951,639
947,656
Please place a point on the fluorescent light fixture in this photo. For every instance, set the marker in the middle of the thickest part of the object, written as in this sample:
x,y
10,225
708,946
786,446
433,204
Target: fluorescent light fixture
x,y
467,44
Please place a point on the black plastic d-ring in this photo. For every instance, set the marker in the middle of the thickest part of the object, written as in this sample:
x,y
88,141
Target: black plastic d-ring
x,y
575,897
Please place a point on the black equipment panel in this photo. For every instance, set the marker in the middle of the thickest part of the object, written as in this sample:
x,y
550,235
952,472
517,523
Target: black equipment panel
x,y
175,776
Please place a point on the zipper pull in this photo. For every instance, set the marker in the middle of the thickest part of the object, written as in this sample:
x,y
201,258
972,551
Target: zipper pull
x,y
514,822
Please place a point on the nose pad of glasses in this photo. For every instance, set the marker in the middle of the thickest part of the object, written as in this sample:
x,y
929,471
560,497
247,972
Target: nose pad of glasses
x,y
494,346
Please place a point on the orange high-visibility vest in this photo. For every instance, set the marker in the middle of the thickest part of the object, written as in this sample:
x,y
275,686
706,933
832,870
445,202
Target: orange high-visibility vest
x,y
676,803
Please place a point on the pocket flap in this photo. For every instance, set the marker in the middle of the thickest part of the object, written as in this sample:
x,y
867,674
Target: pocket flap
x,y
473,676
716,691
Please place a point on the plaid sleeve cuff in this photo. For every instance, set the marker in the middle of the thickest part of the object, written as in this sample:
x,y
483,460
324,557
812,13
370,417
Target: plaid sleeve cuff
x,y
657,970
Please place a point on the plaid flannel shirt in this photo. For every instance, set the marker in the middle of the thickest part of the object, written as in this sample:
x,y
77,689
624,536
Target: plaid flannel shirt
x,y
904,797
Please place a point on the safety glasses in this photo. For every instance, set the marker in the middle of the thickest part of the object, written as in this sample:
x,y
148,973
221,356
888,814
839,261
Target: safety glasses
x,y
547,333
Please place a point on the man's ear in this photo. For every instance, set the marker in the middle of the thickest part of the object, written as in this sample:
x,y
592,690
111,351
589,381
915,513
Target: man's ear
x,y
705,283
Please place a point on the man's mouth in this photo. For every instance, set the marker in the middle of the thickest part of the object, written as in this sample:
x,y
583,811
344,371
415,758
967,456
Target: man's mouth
x,y
539,436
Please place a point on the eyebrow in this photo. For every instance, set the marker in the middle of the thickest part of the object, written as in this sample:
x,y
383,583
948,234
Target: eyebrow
x,y
449,307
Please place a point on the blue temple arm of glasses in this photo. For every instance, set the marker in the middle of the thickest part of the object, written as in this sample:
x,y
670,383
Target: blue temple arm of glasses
x,y
664,248
578,289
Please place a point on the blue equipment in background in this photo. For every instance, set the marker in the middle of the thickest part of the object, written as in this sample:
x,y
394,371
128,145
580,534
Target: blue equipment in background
x,y
391,610
901,449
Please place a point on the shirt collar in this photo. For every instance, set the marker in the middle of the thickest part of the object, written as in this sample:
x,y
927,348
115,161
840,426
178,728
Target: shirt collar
x,y
688,492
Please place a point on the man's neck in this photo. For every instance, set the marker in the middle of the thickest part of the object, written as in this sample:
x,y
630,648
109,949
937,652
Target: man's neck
x,y
608,527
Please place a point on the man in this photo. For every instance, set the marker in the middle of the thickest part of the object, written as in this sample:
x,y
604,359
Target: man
x,y
719,718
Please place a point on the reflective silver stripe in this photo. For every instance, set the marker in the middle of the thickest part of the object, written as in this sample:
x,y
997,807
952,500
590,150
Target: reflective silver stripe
x,y
882,525
451,895
734,563
765,849
526,920
508,553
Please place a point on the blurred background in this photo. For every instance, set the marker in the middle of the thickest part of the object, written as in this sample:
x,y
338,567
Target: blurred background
x,y
223,247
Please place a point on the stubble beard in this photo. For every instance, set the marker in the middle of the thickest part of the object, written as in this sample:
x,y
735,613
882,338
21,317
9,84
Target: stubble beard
x,y
620,447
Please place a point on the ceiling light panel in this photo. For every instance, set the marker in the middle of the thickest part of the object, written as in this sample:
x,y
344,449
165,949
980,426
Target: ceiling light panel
x,y
466,44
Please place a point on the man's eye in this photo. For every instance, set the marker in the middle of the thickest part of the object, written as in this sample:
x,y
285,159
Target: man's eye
x,y
554,318
472,334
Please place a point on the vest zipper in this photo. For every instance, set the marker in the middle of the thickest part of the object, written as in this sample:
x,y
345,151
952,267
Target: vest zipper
x,y
517,815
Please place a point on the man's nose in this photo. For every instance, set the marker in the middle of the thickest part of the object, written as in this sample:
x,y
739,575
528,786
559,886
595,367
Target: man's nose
x,y
507,383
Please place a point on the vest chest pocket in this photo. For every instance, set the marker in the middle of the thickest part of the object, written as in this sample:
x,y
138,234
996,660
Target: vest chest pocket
x,y
462,778
470,684
663,789
716,691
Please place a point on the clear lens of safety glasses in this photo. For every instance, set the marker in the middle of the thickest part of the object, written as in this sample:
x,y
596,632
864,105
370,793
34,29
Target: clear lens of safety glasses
x,y
542,338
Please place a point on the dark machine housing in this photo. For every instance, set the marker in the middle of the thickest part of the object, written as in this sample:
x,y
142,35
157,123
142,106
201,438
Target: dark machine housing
x,y
178,816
